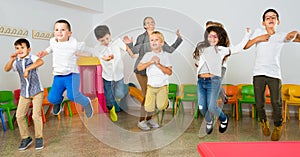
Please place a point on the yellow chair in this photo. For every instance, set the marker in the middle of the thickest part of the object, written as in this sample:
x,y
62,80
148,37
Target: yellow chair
x,y
188,94
294,99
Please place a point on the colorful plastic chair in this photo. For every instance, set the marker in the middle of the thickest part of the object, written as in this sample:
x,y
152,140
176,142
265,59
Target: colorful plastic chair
x,y
172,92
294,99
17,93
188,94
231,93
247,98
7,105
2,120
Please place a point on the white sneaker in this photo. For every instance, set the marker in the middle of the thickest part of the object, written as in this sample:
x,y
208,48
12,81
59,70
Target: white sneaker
x,y
143,125
152,123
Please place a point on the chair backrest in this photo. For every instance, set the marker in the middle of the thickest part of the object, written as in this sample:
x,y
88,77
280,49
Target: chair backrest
x,y
173,88
17,93
285,90
294,93
230,91
247,92
189,90
239,93
6,96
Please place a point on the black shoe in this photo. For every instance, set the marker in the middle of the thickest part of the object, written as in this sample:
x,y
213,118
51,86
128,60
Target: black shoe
x,y
39,144
25,143
56,109
223,125
209,127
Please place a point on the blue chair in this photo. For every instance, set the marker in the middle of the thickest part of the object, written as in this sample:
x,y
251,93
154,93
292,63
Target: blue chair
x,y
2,120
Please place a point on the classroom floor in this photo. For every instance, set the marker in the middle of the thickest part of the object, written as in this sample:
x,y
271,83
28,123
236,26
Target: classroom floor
x,y
70,137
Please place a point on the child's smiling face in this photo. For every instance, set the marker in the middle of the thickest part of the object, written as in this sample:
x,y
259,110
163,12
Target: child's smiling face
x,y
62,32
155,42
213,38
22,50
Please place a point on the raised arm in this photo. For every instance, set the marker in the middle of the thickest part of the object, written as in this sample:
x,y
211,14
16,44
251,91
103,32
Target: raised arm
x,y
9,64
240,46
293,36
171,49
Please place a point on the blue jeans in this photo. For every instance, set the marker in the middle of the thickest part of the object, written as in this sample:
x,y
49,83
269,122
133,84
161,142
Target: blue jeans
x,y
70,83
114,90
208,93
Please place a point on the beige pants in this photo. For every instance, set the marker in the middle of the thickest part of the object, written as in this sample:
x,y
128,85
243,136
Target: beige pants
x,y
22,109
156,96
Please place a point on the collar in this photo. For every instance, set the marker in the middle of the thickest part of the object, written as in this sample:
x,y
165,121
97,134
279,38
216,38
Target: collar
x,y
27,57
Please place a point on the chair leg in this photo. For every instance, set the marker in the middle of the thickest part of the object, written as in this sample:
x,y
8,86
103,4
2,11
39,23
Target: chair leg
x,y
9,119
2,121
48,111
236,111
43,115
69,108
285,112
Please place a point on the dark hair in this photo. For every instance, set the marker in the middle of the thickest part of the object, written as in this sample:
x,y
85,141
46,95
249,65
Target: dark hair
x,y
223,40
21,41
214,23
270,10
65,22
100,31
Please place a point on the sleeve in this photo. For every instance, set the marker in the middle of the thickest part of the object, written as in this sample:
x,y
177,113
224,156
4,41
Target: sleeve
x,y
49,49
240,46
34,58
138,45
171,49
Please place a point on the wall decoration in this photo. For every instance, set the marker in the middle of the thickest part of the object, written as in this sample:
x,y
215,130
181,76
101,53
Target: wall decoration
x,y
11,31
41,35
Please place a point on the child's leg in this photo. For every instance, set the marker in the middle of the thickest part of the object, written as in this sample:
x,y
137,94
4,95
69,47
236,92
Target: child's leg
x,y
150,99
202,99
72,83
142,79
22,109
109,95
55,95
259,83
120,92
213,91
36,116
162,98
275,89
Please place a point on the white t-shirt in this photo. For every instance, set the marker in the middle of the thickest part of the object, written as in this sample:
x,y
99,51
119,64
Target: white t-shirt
x,y
64,58
267,60
113,70
156,78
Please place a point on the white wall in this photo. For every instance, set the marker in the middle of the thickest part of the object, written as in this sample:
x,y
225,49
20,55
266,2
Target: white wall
x,y
126,17
36,15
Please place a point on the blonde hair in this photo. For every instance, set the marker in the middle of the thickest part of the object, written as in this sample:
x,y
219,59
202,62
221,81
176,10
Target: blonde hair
x,y
161,36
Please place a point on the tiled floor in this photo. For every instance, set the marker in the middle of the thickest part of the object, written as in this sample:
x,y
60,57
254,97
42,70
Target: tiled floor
x,y
71,137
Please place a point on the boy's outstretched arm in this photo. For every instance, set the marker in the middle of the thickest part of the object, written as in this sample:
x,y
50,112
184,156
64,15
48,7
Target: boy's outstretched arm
x,y
9,64
42,54
39,62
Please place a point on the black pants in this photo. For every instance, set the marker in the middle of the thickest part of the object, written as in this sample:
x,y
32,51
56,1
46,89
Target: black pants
x,y
274,85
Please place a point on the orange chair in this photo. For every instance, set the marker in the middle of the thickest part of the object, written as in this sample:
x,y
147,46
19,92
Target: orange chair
x,y
231,93
294,99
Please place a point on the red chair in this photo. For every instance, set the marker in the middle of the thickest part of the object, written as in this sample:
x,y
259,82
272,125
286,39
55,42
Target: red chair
x,y
17,93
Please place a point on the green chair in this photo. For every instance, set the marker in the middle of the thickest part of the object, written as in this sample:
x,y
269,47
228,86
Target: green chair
x,y
247,97
7,105
2,120
171,96
189,93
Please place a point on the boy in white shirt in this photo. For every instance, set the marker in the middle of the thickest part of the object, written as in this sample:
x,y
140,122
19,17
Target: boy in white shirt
x,y
110,56
65,69
158,69
267,69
